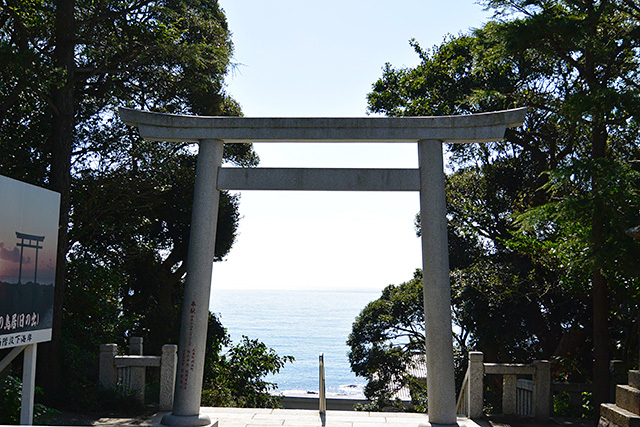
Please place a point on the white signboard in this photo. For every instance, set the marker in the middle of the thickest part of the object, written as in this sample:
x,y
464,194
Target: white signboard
x,y
28,242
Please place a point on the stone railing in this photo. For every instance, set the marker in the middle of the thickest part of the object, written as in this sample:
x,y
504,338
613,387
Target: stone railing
x,y
525,398
128,373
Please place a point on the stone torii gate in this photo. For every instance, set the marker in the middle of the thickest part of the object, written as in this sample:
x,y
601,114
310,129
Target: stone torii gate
x,y
211,133
31,238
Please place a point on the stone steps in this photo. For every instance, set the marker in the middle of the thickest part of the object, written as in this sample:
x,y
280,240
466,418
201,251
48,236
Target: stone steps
x,y
616,416
628,397
626,411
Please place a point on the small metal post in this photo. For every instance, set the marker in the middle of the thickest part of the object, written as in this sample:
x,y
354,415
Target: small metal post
x,y
322,398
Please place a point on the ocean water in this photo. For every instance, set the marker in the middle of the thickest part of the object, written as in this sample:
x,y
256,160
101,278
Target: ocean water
x,y
303,324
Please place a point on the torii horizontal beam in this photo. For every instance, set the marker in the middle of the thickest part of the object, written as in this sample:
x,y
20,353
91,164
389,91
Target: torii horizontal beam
x,y
483,127
319,179
25,236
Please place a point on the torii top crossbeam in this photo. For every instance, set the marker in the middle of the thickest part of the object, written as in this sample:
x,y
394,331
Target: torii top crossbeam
x,y
481,127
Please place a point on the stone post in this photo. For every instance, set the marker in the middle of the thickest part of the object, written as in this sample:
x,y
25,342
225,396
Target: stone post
x,y
476,384
135,346
509,386
542,390
195,306
138,373
617,375
168,364
107,379
436,287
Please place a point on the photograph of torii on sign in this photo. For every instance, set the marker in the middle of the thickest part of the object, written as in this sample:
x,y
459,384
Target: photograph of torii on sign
x,y
28,242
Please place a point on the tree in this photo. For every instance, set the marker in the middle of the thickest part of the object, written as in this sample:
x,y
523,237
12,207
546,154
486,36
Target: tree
x,y
490,186
68,64
144,232
386,338
596,45
545,211
235,377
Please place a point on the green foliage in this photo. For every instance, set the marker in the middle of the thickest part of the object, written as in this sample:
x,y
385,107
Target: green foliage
x,y
564,407
95,317
387,337
235,377
10,395
129,199
10,402
537,222
143,233
563,226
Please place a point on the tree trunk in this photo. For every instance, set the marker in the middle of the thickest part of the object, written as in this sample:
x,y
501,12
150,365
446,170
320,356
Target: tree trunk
x,y
601,341
62,97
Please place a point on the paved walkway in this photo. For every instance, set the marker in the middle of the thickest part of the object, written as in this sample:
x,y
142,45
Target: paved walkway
x,y
251,417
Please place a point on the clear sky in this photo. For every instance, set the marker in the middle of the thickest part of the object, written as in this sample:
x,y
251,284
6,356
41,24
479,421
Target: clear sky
x,y
297,58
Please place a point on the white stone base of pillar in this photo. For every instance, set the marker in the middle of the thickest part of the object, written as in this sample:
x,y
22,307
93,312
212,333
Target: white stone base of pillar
x,y
438,425
187,421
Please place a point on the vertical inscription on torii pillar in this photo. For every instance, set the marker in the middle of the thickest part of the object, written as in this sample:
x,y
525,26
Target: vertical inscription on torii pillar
x,y
187,364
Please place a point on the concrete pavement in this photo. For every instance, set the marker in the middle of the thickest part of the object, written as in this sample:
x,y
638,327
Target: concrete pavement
x,y
255,417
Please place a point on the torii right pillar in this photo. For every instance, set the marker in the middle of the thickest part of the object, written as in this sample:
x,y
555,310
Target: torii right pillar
x,y
436,287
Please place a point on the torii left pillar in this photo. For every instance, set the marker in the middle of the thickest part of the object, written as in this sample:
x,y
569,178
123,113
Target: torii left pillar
x,y
195,306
